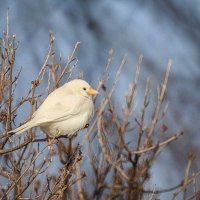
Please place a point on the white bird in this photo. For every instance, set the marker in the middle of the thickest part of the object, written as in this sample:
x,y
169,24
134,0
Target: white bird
x,y
64,112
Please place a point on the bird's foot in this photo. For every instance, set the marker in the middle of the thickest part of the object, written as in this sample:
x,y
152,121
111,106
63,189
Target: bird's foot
x,y
87,125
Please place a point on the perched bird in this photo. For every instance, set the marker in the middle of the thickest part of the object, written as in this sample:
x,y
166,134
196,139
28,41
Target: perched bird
x,y
65,111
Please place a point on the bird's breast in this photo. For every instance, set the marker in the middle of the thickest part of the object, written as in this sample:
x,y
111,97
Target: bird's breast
x,y
73,124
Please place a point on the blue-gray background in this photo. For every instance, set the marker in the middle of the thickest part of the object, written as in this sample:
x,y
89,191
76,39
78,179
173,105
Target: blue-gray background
x,y
158,29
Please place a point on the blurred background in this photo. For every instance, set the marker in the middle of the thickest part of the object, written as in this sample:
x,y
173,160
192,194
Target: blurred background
x,y
157,29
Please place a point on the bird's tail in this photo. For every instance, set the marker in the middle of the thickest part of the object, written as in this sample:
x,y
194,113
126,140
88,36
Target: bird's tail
x,y
22,128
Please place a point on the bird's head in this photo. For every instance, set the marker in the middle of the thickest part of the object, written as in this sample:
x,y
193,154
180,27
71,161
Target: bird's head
x,y
81,87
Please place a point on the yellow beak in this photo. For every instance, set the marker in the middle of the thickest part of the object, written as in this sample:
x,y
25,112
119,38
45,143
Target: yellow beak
x,y
92,92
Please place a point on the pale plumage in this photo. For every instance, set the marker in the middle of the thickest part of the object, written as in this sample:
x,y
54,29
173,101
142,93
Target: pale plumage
x,y
65,111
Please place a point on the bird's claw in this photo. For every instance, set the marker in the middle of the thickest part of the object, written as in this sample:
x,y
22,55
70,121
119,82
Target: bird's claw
x,y
86,126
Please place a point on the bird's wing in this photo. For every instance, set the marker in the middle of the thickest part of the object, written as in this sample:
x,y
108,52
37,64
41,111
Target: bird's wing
x,y
52,99
59,110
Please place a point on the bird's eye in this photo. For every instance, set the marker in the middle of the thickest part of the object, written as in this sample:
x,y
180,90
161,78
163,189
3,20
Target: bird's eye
x,y
84,88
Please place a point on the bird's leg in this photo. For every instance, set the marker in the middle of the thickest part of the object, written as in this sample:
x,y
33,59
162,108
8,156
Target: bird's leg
x,y
49,140
73,135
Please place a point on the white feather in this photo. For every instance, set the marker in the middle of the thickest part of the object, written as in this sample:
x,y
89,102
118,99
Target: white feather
x,y
65,111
